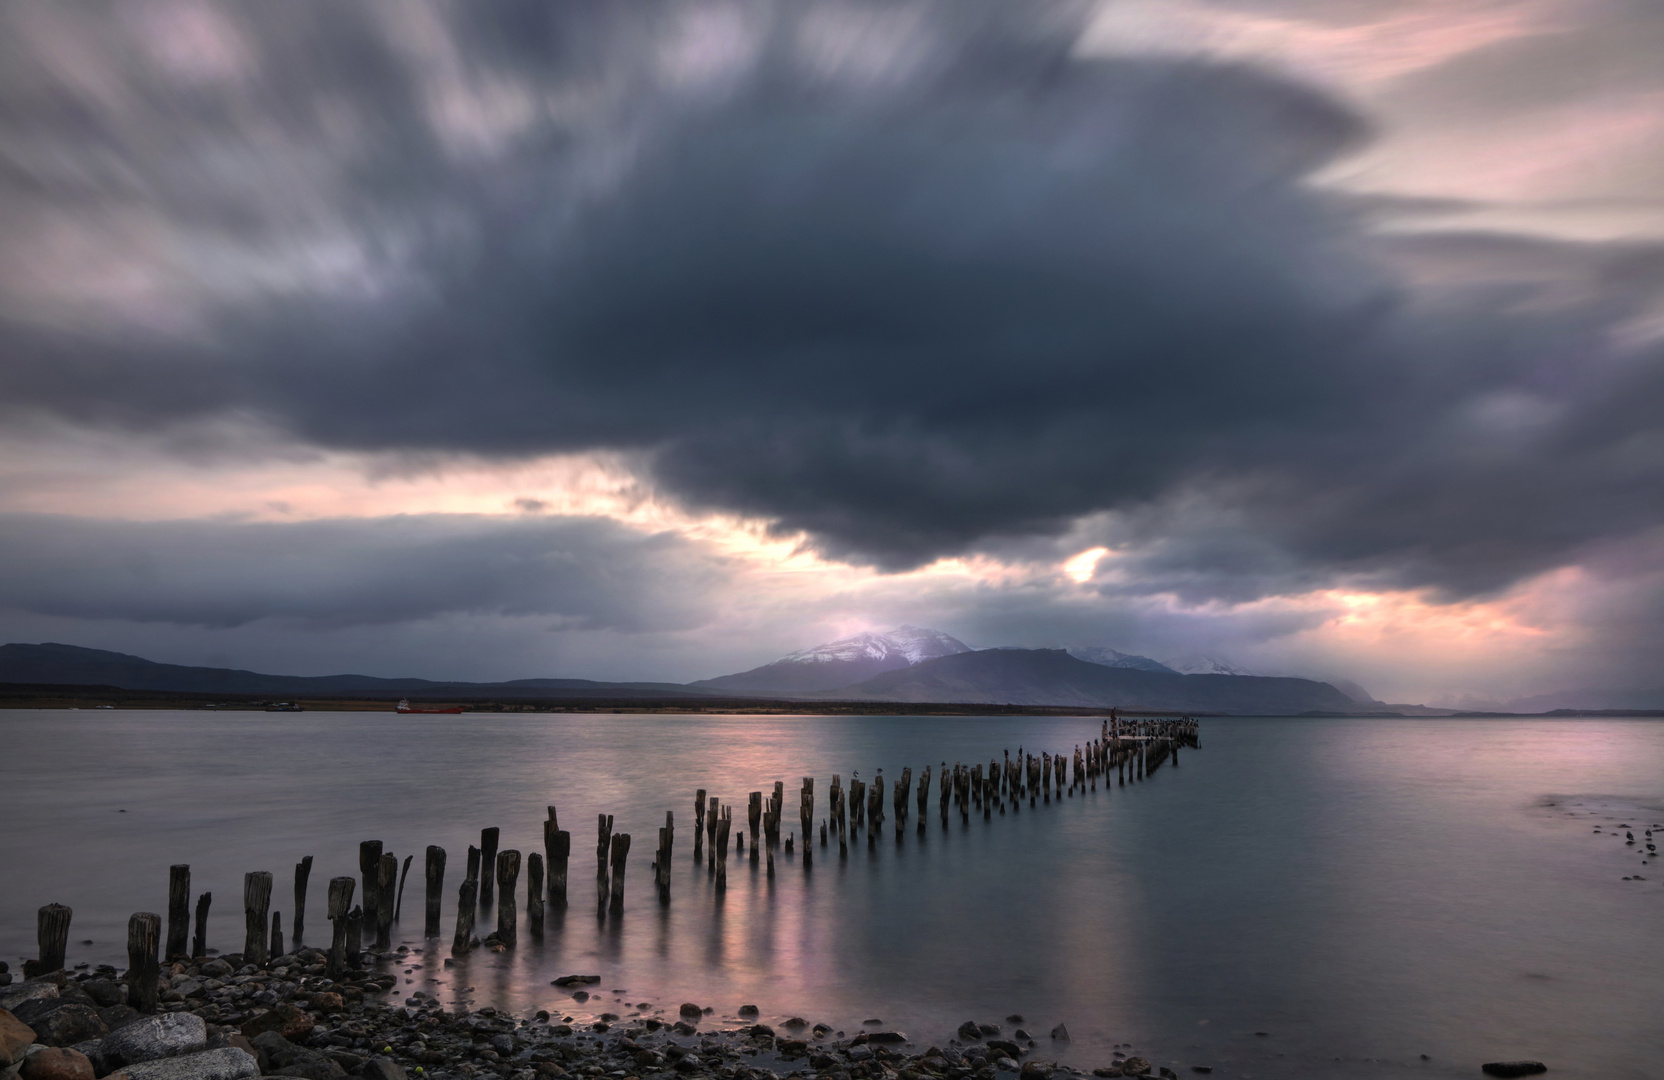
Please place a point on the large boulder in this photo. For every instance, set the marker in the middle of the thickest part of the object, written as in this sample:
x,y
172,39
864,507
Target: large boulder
x,y
157,1037
57,1063
66,1025
15,1039
383,1068
13,997
279,1056
289,1021
226,1063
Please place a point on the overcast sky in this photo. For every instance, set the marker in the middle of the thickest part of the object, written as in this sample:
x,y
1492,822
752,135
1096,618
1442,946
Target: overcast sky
x,y
658,340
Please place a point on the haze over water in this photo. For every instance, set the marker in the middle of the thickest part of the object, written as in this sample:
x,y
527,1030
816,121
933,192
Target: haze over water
x,y
1362,891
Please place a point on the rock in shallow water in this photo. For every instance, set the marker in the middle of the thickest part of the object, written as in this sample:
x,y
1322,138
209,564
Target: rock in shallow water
x,y
157,1037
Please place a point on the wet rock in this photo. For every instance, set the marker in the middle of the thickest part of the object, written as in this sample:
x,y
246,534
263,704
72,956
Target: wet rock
x,y
281,1057
796,1022
969,1030
988,1029
886,1037
860,1053
1035,1070
15,1039
67,1025
328,1002
116,1017
1513,1068
1021,1034
57,1063
576,980
13,998
690,1010
383,1068
760,1031
1006,1045
748,1010
289,1021
792,1047
215,969
227,1063
1061,1033
1107,1070
1014,1018
157,1037
1134,1066
105,992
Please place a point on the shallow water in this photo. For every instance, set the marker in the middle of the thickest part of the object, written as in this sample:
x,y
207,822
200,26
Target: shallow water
x,y
1362,891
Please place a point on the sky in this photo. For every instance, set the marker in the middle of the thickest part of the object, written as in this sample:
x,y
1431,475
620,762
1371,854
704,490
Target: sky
x,y
500,340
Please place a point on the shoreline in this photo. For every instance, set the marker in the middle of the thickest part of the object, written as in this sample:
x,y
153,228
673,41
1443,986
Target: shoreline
x,y
291,1019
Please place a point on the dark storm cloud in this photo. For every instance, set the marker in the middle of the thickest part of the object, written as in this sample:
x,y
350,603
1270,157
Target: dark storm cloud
x,y
579,573
910,279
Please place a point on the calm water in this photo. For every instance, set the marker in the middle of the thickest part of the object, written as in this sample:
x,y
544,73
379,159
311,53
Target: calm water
x,y
1363,891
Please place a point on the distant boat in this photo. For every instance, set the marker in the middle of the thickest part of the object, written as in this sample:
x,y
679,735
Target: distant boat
x,y
404,707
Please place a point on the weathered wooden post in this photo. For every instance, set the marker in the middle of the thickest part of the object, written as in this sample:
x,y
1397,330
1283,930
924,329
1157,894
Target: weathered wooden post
x,y
699,825
713,813
52,937
467,899
179,909
337,903
257,902
275,949
603,850
806,816
199,943
719,848
398,906
557,868
508,874
473,870
355,936
144,934
620,855
387,873
434,889
754,815
534,895
303,871
488,861
369,868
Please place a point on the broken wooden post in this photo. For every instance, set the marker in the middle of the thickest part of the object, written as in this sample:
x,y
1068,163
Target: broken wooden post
x,y
698,824
369,868
719,848
558,867
275,948
398,906
257,903
806,816
473,870
179,909
620,854
467,899
337,902
434,891
534,895
386,875
355,936
52,936
488,862
508,874
199,943
303,871
144,933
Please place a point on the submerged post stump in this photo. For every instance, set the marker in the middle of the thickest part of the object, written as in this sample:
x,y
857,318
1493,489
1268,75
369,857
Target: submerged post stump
x,y
179,909
303,871
508,874
199,942
337,903
467,899
386,874
488,861
369,868
52,936
534,895
257,902
434,891
144,933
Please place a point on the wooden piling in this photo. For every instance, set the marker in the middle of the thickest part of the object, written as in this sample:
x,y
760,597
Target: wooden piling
x,y
508,875
698,824
467,899
144,933
337,903
52,937
473,870
387,874
719,848
488,861
369,868
398,905
806,816
257,902
434,890
355,936
620,856
303,872
534,895
557,868
179,909
199,943
275,948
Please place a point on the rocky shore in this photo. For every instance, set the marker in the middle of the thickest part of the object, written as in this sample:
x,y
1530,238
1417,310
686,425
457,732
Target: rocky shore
x,y
222,1020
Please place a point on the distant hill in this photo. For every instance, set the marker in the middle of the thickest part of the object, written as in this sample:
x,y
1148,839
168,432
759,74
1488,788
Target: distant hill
x,y
839,663
1198,664
1112,658
71,665
1053,677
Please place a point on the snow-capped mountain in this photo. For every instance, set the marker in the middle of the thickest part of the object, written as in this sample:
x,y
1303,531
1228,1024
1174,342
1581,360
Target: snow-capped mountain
x,y
1094,654
1197,664
840,663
